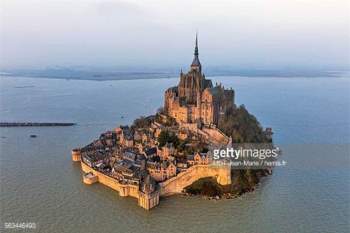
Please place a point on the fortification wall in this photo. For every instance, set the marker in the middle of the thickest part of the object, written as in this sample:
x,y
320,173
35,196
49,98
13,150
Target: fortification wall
x,y
90,179
172,186
184,179
76,155
146,201
124,190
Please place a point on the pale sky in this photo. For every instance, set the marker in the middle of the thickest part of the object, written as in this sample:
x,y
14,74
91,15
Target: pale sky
x,y
160,33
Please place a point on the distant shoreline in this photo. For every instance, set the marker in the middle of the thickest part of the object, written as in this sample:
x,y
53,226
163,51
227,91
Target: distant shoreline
x,y
35,124
165,77
86,78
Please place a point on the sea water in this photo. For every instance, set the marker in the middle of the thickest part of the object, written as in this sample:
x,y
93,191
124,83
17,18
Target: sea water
x,y
40,184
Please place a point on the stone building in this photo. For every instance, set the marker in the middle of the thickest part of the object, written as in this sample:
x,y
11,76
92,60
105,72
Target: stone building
x,y
126,136
148,194
161,171
198,159
195,99
166,151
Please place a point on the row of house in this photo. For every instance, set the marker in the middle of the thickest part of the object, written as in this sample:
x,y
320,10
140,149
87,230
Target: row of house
x,y
161,171
141,144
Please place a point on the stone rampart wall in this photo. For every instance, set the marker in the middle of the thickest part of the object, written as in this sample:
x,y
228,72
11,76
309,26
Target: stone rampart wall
x,y
123,189
184,179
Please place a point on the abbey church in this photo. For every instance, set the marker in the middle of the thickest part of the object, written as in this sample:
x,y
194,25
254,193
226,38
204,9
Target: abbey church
x,y
195,99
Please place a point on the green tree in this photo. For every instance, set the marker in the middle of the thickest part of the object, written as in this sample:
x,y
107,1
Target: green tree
x,y
142,122
242,126
167,136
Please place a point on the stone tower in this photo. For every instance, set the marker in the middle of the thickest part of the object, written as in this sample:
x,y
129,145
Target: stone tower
x,y
148,194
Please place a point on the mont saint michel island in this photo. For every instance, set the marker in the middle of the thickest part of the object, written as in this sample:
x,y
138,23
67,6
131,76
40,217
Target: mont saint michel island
x,y
171,152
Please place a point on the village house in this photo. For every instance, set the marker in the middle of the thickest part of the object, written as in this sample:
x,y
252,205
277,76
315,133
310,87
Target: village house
x,y
150,152
166,151
109,138
138,135
139,146
126,172
93,159
198,159
126,137
129,155
156,128
181,166
161,171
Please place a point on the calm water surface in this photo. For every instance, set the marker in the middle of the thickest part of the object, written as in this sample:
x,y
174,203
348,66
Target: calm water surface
x,y
39,183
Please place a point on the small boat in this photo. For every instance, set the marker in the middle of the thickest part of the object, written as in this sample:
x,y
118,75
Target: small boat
x,y
33,136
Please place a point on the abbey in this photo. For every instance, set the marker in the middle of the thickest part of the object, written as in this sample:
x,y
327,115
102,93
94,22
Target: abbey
x,y
195,99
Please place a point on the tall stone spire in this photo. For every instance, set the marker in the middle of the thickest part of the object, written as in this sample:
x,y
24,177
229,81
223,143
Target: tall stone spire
x,y
196,47
196,65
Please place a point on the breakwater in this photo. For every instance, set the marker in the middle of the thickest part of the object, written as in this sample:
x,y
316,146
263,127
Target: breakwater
x,y
34,124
